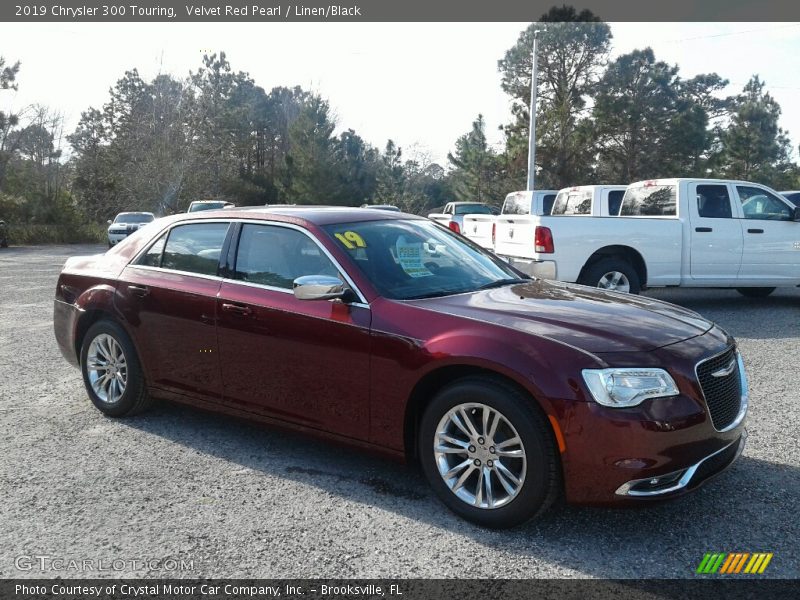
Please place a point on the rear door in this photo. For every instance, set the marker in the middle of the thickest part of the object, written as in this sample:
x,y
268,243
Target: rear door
x,y
715,234
771,237
296,360
169,299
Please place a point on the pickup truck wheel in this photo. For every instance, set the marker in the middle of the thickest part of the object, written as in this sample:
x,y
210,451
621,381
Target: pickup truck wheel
x,y
111,371
756,292
612,274
488,453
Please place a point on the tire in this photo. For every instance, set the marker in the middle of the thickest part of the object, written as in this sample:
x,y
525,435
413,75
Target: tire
x,y
103,339
756,292
110,245
538,472
602,273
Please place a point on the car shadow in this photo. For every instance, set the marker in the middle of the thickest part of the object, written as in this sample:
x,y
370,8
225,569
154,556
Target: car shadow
x,y
658,540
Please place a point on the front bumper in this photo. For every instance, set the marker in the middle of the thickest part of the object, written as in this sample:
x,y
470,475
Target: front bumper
x,y
543,269
685,479
116,237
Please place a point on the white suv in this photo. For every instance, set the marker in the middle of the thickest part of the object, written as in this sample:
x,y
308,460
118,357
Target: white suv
x,y
125,223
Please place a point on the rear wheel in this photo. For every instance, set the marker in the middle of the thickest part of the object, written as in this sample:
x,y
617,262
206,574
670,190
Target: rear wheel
x,y
488,453
756,292
111,371
613,274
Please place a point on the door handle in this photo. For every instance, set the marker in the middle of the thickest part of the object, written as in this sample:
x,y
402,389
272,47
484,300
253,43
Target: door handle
x,y
755,231
703,229
238,309
139,290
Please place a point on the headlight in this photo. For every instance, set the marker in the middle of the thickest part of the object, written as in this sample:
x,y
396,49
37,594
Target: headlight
x,y
621,388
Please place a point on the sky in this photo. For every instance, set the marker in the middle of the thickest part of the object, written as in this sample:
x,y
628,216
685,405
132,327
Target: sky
x,y
420,84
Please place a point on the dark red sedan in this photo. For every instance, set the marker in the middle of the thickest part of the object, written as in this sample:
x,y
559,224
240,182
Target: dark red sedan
x,y
390,332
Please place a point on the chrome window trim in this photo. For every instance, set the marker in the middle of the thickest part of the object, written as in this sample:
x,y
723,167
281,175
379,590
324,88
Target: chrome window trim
x,y
744,398
176,272
133,262
686,478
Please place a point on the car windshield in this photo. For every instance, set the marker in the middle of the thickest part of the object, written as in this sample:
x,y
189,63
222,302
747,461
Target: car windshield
x,y
133,218
206,206
412,259
472,209
793,197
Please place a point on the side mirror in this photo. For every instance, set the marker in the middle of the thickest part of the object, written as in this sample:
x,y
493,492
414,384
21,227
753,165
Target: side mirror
x,y
109,221
796,214
319,287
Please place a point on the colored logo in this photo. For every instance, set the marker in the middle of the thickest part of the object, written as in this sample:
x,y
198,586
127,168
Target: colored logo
x,y
734,562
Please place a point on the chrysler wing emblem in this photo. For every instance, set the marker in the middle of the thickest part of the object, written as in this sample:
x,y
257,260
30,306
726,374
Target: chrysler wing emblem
x,y
725,371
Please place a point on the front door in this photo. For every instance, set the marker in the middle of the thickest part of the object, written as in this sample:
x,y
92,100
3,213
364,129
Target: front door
x,y
771,238
302,361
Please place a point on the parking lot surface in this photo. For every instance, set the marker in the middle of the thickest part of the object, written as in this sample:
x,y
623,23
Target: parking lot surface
x,y
235,500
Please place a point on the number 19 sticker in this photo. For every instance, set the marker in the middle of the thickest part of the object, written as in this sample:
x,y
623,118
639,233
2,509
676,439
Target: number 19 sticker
x,y
351,240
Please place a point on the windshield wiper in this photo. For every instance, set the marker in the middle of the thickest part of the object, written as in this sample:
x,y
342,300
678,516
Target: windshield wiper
x,y
500,283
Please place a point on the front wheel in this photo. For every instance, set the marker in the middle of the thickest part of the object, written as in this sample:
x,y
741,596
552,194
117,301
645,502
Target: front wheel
x,y
488,453
111,371
613,274
756,292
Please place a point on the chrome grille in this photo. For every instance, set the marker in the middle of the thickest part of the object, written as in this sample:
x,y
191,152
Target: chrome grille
x,y
721,388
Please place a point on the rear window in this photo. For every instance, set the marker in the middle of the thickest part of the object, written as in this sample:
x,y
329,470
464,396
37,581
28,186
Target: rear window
x,y
547,203
573,202
649,201
517,204
615,201
473,209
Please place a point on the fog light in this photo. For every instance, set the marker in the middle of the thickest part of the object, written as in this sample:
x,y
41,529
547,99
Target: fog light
x,y
659,483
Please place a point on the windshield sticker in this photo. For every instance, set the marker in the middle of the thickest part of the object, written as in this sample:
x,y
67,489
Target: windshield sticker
x,y
351,240
410,258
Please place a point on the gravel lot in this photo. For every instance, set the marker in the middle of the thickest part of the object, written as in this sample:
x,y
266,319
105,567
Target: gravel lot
x,y
240,501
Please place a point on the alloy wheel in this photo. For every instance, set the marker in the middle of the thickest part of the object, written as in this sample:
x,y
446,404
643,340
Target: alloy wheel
x,y
480,455
107,368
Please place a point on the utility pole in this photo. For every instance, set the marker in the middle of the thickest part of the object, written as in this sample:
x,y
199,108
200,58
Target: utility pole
x,y
532,123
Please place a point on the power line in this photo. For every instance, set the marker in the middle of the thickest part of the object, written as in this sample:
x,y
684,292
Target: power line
x,y
729,33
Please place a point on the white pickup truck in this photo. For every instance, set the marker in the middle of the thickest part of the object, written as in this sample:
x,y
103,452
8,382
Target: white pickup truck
x,y
673,232
515,231
452,215
481,228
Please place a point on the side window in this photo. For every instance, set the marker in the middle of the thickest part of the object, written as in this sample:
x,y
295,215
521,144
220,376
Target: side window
x,y
276,256
195,247
152,258
615,201
760,204
713,202
547,203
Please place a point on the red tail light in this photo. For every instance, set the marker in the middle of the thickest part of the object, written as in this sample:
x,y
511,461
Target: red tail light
x,y
494,232
454,226
543,240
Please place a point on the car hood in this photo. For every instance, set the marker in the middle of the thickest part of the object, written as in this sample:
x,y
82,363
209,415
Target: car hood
x,y
593,320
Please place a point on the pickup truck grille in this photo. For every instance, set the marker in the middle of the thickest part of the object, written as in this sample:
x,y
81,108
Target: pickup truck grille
x,y
720,382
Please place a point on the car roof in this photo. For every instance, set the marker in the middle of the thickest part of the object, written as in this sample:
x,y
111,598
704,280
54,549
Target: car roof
x,y
318,215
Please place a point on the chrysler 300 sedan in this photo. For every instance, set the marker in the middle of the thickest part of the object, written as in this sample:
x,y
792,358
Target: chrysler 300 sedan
x,y
392,333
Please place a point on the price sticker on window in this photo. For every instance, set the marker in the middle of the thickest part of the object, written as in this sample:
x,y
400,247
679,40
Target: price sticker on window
x,y
351,240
